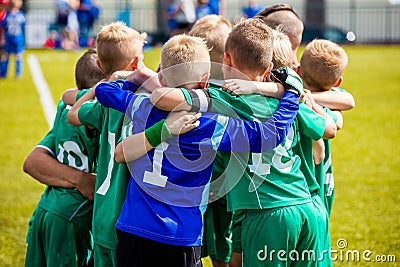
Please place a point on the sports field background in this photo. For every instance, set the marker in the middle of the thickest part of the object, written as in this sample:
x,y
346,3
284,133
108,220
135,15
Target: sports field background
x,y
366,210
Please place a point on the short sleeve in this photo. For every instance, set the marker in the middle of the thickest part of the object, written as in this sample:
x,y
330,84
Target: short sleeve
x,y
81,93
310,123
91,113
331,114
48,143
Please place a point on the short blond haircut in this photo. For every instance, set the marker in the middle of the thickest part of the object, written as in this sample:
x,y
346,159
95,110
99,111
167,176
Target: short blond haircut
x,y
117,45
184,59
283,54
214,29
250,44
322,64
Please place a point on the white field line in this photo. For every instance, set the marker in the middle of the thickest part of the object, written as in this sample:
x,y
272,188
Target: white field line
x,y
46,98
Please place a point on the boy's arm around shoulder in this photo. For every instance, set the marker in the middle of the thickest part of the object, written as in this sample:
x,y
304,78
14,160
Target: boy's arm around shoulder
x,y
330,125
335,100
169,99
255,136
116,95
137,145
283,117
69,96
265,136
73,113
243,87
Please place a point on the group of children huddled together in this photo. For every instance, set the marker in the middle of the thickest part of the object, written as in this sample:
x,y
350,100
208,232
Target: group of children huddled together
x,y
220,153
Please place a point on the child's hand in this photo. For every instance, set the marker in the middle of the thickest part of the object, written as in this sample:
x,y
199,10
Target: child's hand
x,y
239,87
138,77
86,185
289,79
69,96
121,74
318,151
308,99
182,121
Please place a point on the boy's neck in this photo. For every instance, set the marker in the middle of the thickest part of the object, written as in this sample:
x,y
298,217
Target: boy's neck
x,y
191,86
315,89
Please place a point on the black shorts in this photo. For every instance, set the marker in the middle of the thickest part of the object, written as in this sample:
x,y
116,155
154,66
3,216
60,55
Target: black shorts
x,y
136,251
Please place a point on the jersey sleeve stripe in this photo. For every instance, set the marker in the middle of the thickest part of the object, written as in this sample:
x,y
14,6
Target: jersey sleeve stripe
x,y
219,131
48,149
137,102
203,99
327,164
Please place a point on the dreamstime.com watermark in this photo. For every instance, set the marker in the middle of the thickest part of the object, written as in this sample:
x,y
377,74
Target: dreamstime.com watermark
x,y
342,254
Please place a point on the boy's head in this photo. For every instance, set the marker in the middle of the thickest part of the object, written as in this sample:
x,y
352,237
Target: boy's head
x,y
202,2
16,4
185,61
249,50
322,65
87,73
282,55
214,29
119,48
283,16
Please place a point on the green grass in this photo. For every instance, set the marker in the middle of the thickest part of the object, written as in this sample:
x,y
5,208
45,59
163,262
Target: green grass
x,y
366,211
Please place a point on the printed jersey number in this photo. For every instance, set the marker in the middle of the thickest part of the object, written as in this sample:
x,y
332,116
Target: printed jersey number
x,y
106,184
263,169
75,157
155,177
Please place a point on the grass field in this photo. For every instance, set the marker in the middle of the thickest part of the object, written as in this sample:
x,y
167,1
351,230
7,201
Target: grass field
x,y
366,212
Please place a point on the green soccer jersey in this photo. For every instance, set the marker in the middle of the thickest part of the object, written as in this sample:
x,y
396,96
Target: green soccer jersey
x,y
324,171
305,148
112,177
75,147
263,180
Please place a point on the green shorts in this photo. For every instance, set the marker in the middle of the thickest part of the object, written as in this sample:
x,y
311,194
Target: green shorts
x,y
217,241
329,201
54,241
237,219
104,257
285,236
324,240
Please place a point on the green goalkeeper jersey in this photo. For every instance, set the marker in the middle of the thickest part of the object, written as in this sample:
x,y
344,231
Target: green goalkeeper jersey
x,y
262,180
112,177
75,147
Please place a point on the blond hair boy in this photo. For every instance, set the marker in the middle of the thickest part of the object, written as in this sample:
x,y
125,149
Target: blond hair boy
x,y
119,48
214,29
322,65
161,181
249,50
283,55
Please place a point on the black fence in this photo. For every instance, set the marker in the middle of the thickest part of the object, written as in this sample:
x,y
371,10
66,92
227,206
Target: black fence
x,y
367,22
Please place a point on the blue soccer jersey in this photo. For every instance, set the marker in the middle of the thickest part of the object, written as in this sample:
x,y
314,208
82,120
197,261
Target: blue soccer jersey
x,y
14,27
168,191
